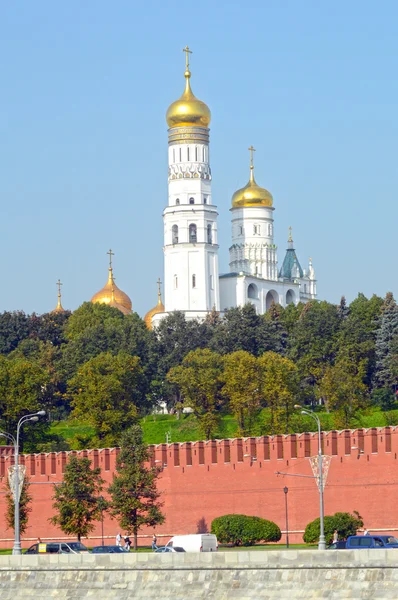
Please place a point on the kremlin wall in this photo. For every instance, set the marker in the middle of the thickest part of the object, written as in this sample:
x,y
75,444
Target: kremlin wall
x,y
202,480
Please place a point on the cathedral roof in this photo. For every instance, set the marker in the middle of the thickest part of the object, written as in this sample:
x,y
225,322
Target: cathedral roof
x,y
252,194
188,111
291,268
159,308
111,294
59,308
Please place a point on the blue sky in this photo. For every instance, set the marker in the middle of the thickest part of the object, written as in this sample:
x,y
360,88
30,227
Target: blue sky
x,y
83,154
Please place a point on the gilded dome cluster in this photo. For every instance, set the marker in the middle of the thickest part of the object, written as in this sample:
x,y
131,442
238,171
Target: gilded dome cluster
x,y
188,111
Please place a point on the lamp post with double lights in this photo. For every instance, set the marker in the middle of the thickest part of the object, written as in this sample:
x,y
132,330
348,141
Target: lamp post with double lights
x,y
321,543
34,417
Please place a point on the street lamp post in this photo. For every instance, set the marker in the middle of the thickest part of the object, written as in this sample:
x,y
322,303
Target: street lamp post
x,y
101,500
286,489
17,549
321,543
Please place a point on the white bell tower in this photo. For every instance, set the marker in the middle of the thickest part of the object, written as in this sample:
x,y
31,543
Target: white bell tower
x,y
190,219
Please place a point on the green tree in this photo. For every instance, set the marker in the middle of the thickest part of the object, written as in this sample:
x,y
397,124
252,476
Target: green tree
x,y
22,390
76,498
134,495
241,387
343,390
240,329
244,530
105,393
313,344
357,337
14,327
386,375
345,523
199,381
24,506
273,334
278,388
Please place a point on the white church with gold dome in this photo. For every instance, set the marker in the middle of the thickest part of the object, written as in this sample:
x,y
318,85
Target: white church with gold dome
x,y
192,283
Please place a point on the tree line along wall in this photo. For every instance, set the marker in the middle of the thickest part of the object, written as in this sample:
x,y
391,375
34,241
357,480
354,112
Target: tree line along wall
x,y
202,480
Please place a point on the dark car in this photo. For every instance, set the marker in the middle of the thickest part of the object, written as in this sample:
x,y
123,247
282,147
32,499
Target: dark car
x,y
169,549
360,542
107,550
340,545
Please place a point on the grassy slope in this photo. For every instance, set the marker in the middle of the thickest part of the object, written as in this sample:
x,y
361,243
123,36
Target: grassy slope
x,y
159,428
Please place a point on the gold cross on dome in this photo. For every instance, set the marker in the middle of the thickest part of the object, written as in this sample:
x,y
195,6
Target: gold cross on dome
x,y
159,284
59,286
187,53
251,150
110,257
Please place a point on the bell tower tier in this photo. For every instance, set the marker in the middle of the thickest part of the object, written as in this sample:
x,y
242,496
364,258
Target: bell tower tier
x,y
191,275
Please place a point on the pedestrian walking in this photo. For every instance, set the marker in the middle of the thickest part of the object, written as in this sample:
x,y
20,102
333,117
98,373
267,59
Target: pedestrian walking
x,y
118,540
127,543
335,536
154,542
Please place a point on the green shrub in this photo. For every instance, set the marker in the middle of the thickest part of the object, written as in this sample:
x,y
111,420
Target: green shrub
x,y
244,530
345,523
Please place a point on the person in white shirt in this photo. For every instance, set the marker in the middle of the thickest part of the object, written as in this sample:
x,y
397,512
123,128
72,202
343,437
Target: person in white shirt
x,y
118,540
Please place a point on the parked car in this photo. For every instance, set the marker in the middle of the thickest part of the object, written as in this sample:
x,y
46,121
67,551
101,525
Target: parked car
x,y
198,542
169,549
108,550
340,545
57,548
371,541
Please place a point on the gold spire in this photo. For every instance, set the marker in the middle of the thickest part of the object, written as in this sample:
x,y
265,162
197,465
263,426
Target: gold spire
x,y
188,111
110,293
159,308
252,194
290,239
59,308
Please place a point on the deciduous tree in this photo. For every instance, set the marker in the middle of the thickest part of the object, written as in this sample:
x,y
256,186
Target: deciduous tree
x,y
199,380
135,499
76,499
105,392
24,507
278,387
241,387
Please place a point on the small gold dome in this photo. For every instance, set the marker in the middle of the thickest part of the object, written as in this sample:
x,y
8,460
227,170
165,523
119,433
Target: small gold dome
x,y
105,295
188,111
59,308
159,308
252,194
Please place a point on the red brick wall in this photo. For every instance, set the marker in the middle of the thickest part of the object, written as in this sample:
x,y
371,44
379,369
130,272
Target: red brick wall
x,y
203,480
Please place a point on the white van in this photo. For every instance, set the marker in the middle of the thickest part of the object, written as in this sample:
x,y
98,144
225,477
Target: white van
x,y
200,542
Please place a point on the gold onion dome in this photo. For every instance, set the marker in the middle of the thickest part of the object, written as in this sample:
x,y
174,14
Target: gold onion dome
x,y
111,294
159,308
252,194
59,308
188,111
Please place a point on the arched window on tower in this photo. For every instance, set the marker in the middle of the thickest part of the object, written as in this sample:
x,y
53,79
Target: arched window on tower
x,y
177,201
192,201
209,234
196,153
194,281
192,234
174,233
204,200
188,153
180,155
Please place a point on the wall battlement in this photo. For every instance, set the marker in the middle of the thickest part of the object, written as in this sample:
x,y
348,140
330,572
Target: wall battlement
x,y
266,448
